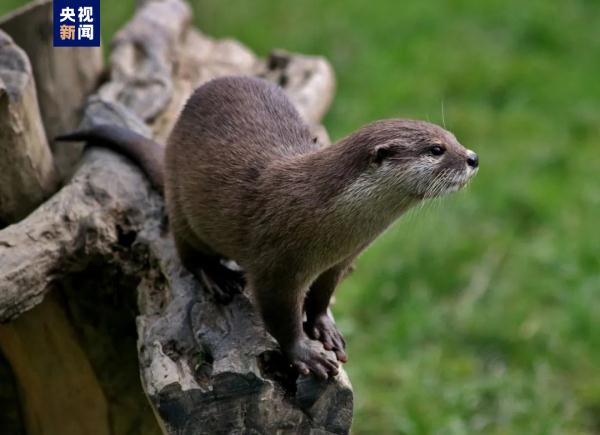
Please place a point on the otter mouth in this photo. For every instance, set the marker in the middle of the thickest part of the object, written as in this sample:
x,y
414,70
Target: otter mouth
x,y
447,183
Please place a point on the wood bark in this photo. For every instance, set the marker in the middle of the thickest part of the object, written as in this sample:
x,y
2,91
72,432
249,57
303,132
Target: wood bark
x,y
64,77
206,368
27,173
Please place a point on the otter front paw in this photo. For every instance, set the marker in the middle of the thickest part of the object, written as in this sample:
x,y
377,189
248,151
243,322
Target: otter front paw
x,y
324,329
308,356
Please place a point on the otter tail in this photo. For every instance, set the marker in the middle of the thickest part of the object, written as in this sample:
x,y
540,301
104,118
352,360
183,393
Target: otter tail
x,y
148,154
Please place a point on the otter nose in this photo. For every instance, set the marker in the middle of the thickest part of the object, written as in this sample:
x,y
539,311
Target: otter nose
x,y
472,160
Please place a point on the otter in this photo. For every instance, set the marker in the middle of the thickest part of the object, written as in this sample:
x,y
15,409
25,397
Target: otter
x,y
244,179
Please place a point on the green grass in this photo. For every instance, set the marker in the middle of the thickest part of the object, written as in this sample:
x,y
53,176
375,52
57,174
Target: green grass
x,y
480,314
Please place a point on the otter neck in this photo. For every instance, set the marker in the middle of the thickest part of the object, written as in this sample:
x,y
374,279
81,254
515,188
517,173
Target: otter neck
x,y
351,203
346,178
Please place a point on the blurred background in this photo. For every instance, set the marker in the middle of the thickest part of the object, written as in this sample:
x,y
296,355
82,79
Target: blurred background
x,y
479,313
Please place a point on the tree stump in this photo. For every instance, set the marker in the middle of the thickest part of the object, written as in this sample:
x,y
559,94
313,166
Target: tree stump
x,y
101,246
27,173
64,77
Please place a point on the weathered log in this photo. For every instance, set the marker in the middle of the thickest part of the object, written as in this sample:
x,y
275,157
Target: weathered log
x,y
64,77
309,82
205,367
27,174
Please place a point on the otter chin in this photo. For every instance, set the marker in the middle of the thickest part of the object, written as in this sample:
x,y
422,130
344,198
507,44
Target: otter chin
x,y
244,180
451,180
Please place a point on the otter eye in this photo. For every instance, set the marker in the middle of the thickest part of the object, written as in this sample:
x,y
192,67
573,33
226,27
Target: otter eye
x,y
437,150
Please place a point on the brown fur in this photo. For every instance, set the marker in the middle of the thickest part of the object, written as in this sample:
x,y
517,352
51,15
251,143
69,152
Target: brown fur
x,y
244,180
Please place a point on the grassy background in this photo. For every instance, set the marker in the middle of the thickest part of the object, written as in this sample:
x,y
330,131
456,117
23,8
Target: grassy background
x,y
480,314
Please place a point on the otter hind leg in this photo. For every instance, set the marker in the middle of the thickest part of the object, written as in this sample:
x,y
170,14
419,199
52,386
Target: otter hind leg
x,y
221,282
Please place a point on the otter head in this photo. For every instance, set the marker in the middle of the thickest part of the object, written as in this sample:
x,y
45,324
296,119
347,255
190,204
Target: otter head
x,y
418,158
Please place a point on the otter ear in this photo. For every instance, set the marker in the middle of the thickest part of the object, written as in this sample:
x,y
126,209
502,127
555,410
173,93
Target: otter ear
x,y
381,152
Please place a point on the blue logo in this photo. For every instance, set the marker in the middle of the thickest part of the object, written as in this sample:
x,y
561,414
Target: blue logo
x,y
76,23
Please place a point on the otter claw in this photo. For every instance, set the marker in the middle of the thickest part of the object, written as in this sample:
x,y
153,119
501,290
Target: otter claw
x,y
323,328
306,357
